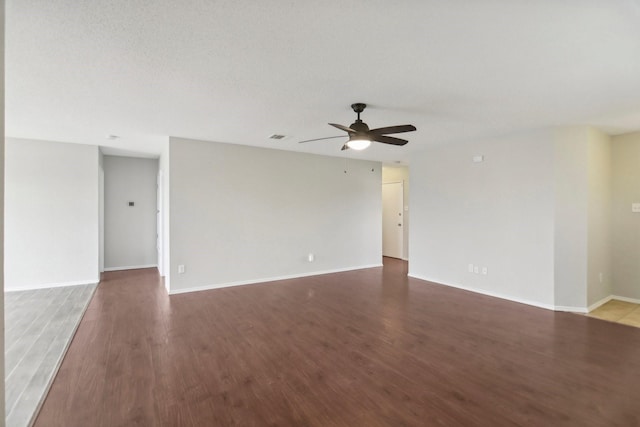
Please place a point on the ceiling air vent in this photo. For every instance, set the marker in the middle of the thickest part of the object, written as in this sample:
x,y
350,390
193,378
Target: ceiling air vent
x,y
276,136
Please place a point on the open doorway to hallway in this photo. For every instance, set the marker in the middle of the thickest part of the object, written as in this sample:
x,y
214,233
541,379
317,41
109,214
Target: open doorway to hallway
x,y
395,211
131,213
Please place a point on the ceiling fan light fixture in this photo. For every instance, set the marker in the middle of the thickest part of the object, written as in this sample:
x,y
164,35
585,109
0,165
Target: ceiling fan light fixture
x,y
359,142
361,137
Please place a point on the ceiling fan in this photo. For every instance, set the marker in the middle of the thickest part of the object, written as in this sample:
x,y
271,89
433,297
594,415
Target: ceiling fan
x,y
360,136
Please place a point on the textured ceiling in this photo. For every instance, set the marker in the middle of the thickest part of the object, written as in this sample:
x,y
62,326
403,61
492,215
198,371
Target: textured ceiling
x,y
238,71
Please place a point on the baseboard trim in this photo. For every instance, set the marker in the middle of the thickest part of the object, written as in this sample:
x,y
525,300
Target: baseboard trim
x,y
571,309
597,304
484,292
626,299
131,267
53,285
268,279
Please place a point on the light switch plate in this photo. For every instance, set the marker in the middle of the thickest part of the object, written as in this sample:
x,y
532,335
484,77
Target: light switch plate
x,y
635,207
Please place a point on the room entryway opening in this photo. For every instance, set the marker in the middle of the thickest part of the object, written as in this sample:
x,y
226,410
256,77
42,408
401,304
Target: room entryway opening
x,y
392,220
395,212
132,213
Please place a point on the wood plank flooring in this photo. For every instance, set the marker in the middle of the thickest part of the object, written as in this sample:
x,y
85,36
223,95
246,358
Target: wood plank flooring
x,y
362,348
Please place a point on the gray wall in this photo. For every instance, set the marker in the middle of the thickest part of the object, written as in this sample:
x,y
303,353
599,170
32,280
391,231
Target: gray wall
x,y
497,214
130,231
241,214
51,214
626,224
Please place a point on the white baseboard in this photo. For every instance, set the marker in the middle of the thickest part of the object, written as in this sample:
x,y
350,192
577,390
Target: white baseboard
x,y
268,279
570,309
599,303
130,267
626,299
488,293
582,310
609,298
52,285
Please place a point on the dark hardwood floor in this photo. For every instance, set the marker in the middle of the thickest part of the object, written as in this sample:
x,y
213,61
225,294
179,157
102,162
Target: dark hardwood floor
x,y
362,348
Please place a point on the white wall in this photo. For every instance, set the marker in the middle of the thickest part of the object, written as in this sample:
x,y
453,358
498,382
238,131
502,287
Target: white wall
x,y
626,224
100,211
243,214
599,271
401,174
2,183
498,214
166,214
130,231
571,214
536,212
51,214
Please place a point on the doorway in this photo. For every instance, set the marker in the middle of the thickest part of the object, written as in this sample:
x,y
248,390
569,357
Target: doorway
x,y
131,217
159,222
393,220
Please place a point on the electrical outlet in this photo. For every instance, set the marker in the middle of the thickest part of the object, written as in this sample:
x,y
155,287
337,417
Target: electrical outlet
x,y
476,269
181,269
485,270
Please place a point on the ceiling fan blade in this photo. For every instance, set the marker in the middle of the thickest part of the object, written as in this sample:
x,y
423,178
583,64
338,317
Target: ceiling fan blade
x,y
344,128
320,139
388,140
393,129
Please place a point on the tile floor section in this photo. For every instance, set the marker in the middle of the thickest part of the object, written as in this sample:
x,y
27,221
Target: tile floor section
x,y
39,326
623,312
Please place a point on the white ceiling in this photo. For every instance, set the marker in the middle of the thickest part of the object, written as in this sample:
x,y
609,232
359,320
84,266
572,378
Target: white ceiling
x,y
237,71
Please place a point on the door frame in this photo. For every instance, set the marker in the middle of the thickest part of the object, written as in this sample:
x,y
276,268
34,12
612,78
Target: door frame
x,y
402,212
159,224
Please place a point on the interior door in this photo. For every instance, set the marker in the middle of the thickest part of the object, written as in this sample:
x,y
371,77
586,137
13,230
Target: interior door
x,y
392,219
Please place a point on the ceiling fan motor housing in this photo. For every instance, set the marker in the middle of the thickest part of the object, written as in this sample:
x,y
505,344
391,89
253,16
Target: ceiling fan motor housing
x,y
359,126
